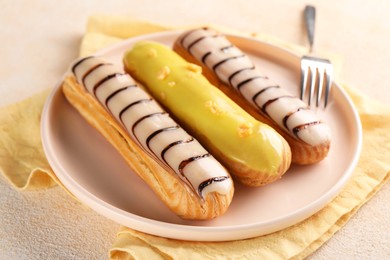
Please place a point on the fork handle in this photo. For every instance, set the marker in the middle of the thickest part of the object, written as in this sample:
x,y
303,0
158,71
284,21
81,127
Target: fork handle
x,y
310,16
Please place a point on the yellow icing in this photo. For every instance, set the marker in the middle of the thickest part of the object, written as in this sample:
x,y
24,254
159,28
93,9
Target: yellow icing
x,y
163,73
245,130
152,53
210,113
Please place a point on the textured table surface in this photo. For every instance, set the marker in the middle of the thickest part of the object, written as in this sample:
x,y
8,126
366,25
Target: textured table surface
x,y
40,38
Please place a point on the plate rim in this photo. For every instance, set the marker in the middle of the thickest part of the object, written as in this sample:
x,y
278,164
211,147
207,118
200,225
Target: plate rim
x,y
197,233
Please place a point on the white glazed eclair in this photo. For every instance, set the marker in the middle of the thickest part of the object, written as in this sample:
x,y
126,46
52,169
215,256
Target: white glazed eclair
x,y
234,73
181,172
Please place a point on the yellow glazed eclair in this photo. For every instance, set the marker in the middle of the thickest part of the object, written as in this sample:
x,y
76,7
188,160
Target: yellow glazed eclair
x,y
183,174
234,73
252,151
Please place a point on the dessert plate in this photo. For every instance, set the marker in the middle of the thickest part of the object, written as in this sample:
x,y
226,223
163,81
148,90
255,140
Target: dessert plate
x,y
96,174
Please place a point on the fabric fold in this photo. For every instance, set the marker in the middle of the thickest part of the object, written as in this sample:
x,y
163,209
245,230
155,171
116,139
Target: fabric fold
x,y
22,160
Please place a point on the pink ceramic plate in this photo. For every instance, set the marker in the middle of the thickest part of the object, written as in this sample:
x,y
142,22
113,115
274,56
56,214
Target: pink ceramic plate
x,y
95,173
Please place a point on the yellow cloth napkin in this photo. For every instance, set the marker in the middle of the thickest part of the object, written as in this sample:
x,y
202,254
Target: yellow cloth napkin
x,y
22,160
23,163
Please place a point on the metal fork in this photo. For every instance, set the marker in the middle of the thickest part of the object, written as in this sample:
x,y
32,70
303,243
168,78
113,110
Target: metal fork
x,y
315,71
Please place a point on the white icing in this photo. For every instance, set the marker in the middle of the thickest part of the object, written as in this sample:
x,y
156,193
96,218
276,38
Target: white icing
x,y
158,144
201,48
313,134
232,66
253,87
195,35
192,149
148,126
278,109
216,57
247,74
271,93
195,172
131,115
87,64
124,98
208,164
114,84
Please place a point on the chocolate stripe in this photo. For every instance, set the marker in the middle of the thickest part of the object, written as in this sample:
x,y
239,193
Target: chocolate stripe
x,y
227,59
152,135
144,117
237,72
297,129
184,163
204,57
185,36
192,44
189,33
79,62
89,72
106,78
269,102
262,91
286,117
242,83
210,181
116,92
132,104
169,146
136,137
224,49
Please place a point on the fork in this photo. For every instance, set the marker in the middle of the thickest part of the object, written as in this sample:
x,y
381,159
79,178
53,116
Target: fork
x,y
315,71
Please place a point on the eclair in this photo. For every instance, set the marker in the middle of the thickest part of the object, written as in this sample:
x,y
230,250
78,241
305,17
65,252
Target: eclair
x,y
231,70
254,153
183,174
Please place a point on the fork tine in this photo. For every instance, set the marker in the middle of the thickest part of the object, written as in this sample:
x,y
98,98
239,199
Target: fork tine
x,y
328,76
316,79
304,76
320,84
313,78
320,70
